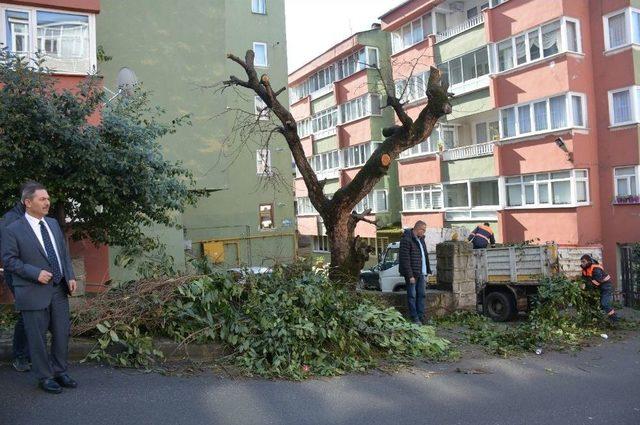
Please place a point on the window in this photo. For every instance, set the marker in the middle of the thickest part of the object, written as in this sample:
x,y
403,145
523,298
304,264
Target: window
x,y
260,50
626,182
304,127
263,162
261,110
305,207
419,198
621,28
413,89
66,40
448,135
376,201
624,106
429,146
563,188
537,43
357,155
324,122
557,112
363,58
468,67
484,193
457,195
259,6
363,106
321,243
325,161
265,214
472,194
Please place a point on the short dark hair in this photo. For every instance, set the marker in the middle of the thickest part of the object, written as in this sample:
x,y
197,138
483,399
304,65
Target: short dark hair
x,y
29,189
419,223
486,224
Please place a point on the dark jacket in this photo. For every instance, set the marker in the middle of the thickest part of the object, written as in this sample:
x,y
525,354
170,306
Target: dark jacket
x,y
410,257
9,217
481,237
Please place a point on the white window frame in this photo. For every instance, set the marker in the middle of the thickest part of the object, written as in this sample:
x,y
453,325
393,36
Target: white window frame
x,y
317,124
33,33
304,207
465,86
470,206
573,179
563,48
321,243
412,89
628,23
351,159
371,201
636,170
634,97
259,7
266,54
363,108
424,190
263,169
304,128
487,124
260,109
568,105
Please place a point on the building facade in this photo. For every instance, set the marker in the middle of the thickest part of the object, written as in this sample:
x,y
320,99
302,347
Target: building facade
x,y
543,140
177,50
337,101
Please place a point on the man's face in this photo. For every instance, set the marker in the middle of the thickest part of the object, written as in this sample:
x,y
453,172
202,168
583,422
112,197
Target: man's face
x,y
420,231
584,263
38,206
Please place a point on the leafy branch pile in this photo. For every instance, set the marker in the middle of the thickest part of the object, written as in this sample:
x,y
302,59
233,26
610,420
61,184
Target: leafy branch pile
x,y
563,316
293,323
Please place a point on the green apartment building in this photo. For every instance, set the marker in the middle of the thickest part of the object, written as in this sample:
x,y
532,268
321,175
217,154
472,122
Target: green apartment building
x,y
177,50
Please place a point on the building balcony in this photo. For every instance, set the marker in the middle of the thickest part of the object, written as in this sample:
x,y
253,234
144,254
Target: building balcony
x,y
471,151
458,29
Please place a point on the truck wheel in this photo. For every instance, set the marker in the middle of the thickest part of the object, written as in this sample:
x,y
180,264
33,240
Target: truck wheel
x,y
500,306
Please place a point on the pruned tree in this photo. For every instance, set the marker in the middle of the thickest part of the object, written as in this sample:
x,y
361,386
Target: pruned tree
x,y
347,253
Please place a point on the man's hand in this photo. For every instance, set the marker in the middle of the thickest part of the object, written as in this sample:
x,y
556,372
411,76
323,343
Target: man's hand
x,y
412,280
44,277
73,285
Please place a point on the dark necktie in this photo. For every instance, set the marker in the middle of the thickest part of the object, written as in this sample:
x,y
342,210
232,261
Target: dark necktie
x,y
51,254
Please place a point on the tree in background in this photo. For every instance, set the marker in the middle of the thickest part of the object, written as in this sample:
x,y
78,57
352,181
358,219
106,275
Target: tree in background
x,y
107,181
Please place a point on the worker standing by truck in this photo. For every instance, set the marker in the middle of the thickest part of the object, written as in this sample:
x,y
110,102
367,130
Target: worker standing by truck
x,y
414,267
482,236
594,274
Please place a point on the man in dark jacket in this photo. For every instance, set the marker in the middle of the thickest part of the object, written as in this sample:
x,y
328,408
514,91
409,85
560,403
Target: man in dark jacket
x,y
414,267
20,348
482,236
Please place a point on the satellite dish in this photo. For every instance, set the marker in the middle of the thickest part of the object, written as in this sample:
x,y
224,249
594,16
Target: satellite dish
x,y
127,81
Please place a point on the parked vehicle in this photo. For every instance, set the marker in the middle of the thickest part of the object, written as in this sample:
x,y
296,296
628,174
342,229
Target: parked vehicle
x,y
506,278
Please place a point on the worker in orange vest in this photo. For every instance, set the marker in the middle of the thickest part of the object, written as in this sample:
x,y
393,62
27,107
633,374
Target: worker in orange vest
x,y
593,273
482,236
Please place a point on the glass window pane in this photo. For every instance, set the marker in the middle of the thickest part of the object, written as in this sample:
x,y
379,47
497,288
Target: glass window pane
x,y
482,62
617,31
64,40
621,107
529,197
441,22
494,131
508,122
444,69
534,44
576,105
572,36
484,193
481,132
505,55
622,187
416,27
540,112
558,109
581,191
561,192
455,69
635,27
427,25
524,119
407,37
17,25
514,195
260,50
551,42
469,66
457,195
625,171
521,50
561,175
543,193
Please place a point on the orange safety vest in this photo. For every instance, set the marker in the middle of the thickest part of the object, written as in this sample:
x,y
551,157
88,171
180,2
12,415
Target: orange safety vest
x,y
486,229
588,273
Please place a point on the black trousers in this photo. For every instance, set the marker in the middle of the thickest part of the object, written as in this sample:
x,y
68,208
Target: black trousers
x,y
54,318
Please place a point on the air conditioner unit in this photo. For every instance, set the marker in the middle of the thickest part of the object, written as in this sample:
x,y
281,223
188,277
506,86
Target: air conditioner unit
x,y
457,6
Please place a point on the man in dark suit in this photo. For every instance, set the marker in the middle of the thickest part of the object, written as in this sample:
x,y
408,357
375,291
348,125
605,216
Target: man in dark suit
x,y
20,349
35,252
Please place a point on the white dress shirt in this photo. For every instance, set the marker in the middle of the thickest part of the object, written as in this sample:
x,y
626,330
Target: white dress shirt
x,y
35,225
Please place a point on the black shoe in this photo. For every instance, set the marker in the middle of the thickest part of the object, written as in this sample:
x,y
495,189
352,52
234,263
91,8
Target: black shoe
x,y
416,321
50,386
21,364
66,381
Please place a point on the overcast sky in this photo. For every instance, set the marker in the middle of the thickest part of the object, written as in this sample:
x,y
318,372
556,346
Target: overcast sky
x,y
313,26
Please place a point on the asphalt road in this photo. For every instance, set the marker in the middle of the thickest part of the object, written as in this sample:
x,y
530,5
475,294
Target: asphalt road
x,y
600,385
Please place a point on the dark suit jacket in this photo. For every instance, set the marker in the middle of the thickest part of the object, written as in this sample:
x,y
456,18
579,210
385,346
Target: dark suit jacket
x,y
24,258
9,217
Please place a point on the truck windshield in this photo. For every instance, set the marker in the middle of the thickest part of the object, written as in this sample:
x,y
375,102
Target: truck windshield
x,y
391,256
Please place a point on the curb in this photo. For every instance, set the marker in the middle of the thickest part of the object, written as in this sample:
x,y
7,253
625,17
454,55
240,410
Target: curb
x,y
79,348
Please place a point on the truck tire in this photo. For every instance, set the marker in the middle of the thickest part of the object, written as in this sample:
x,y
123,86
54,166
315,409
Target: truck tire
x,y
500,306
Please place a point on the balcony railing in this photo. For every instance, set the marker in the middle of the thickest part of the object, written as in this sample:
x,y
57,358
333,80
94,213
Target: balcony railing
x,y
453,31
471,151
